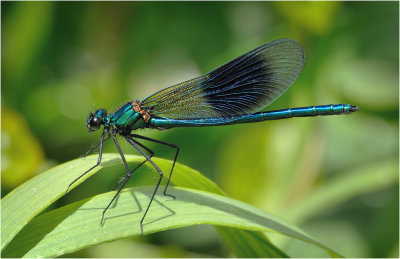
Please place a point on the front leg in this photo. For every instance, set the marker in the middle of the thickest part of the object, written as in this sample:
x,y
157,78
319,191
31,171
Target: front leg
x,y
95,146
102,140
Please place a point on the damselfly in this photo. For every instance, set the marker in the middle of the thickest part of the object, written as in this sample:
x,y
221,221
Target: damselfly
x,y
230,94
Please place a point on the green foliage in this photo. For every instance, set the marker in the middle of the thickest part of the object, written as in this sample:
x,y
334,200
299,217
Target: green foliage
x,y
76,226
335,177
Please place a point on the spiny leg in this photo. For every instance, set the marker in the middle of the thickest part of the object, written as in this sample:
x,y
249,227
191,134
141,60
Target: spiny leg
x,y
128,174
95,146
173,164
133,143
102,140
151,154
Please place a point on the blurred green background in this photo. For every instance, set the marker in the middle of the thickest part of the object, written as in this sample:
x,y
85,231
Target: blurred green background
x,y
334,177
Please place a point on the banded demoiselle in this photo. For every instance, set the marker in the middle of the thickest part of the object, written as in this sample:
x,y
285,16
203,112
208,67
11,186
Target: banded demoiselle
x,y
233,93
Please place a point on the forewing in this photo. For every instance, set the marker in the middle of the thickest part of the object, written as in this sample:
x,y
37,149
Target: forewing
x,y
244,85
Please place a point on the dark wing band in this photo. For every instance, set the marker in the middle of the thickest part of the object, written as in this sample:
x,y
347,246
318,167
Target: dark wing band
x,y
244,85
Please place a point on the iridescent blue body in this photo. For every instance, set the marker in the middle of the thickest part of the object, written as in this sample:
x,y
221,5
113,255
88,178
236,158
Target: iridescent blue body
x,y
126,119
255,117
234,93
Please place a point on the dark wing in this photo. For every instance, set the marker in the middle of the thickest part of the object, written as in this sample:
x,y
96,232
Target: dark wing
x,y
242,86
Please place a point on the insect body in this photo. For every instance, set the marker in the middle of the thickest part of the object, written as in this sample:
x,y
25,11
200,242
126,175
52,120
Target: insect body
x,y
231,94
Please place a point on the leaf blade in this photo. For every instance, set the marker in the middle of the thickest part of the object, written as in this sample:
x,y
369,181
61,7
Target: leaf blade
x,y
75,226
183,176
256,243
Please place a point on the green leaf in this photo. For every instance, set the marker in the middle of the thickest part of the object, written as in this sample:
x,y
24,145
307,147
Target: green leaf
x,y
250,244
75,226
29,199
25,202
243,243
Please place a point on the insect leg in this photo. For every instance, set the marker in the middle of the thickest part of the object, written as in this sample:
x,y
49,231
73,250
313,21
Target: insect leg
x,y
133,143
95,146
102,140
125,179
151,154
128,174
166,144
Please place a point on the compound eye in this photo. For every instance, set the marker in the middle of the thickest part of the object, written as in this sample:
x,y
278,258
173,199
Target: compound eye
x,y
94,123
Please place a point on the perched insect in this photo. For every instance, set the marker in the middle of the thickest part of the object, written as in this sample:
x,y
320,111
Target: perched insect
x,y
230,94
